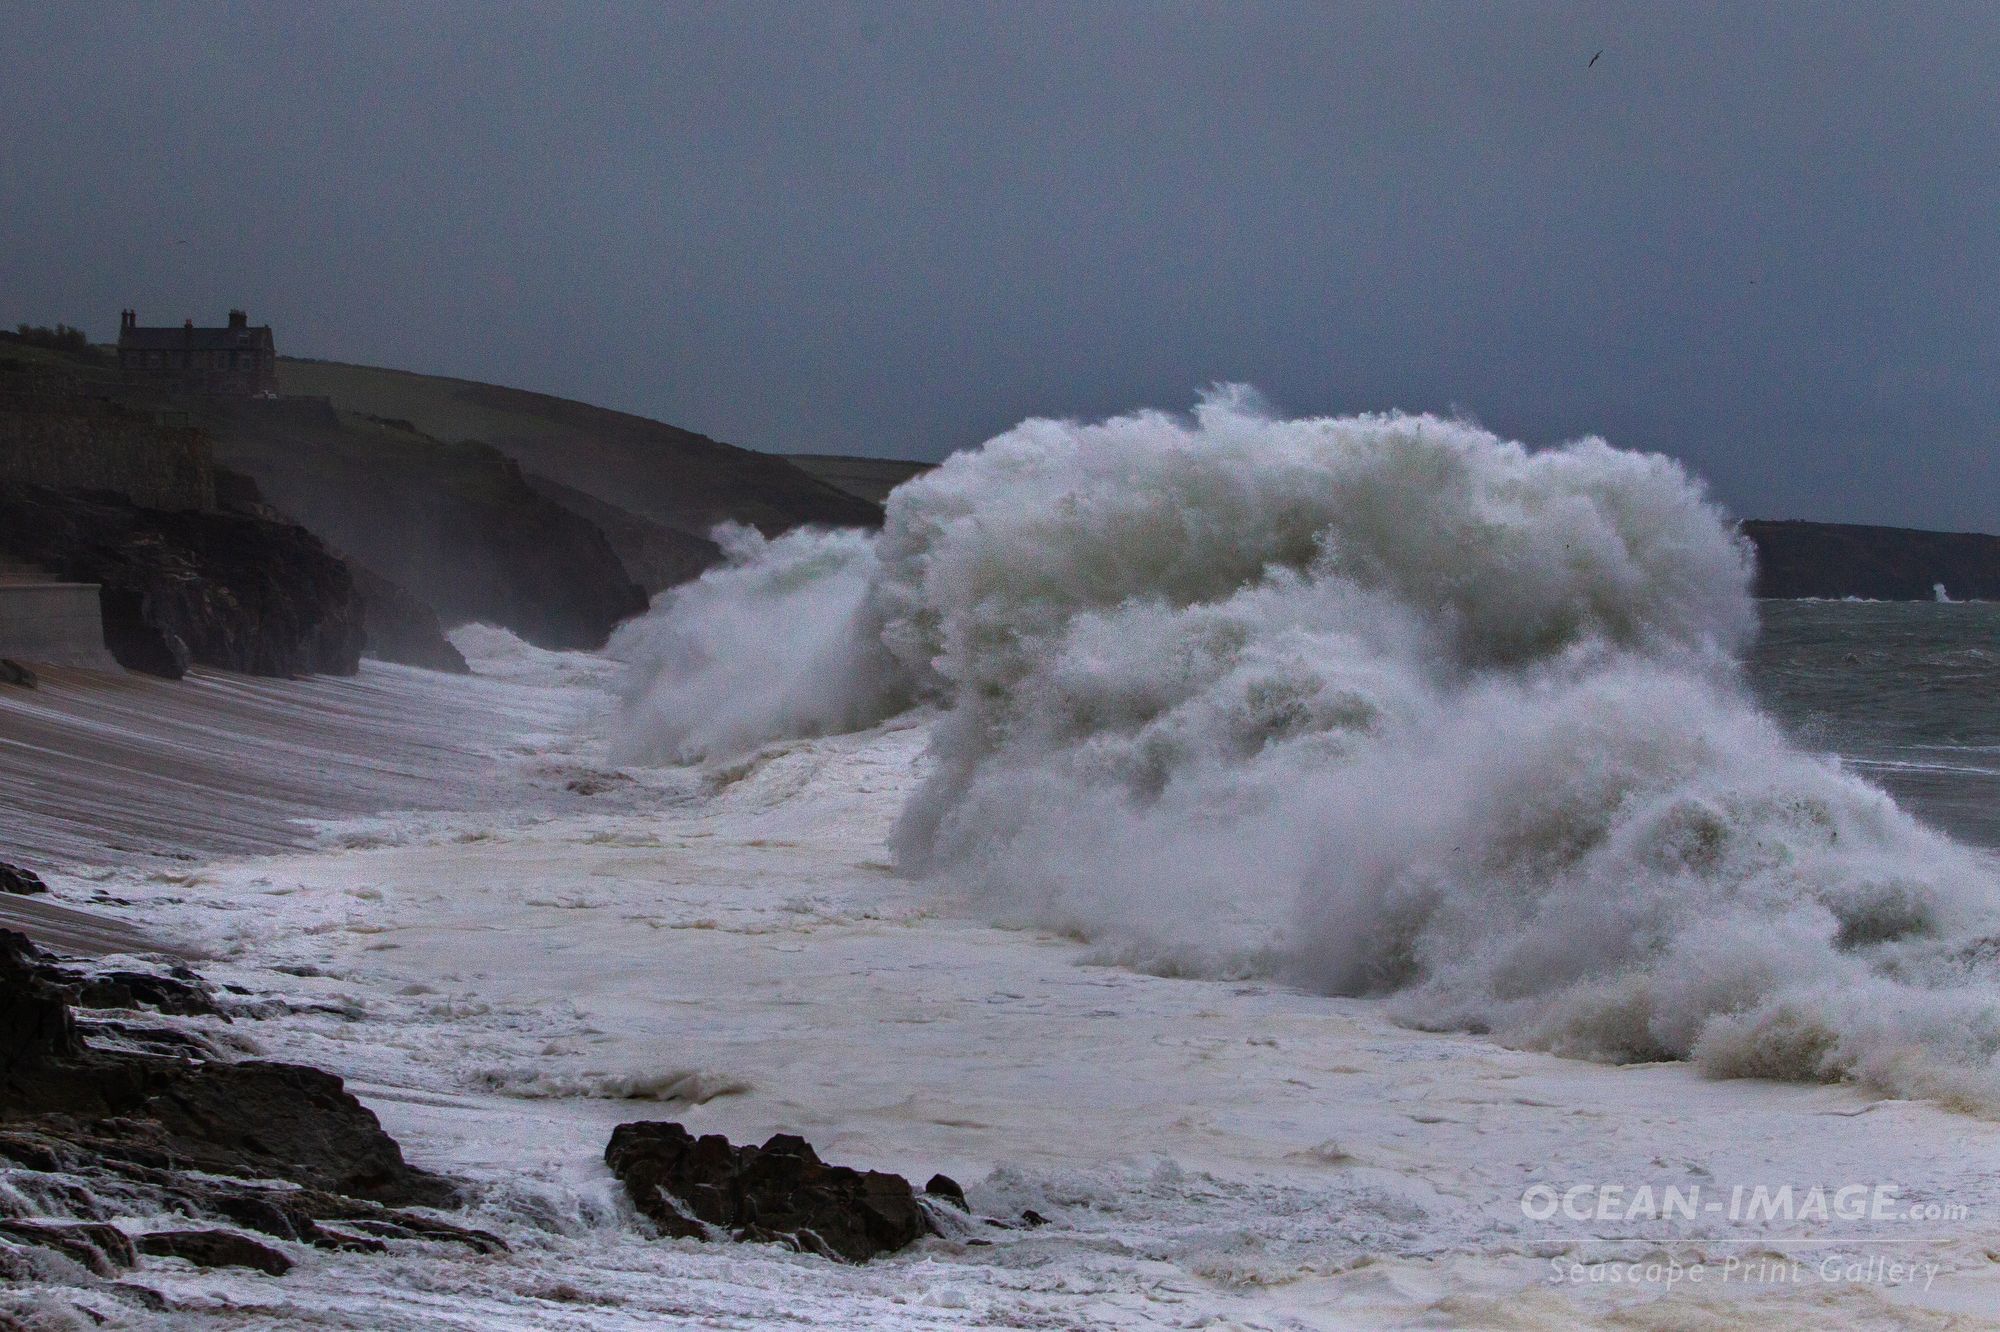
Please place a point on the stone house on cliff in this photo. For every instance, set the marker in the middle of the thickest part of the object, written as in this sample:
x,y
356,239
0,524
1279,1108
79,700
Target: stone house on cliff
x,y
236,361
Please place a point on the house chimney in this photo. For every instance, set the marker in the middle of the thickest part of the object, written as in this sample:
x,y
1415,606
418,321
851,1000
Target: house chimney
x,y
238,319
127,319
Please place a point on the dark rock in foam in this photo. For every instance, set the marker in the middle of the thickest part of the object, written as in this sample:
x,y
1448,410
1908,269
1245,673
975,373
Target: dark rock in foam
x,y
103,1249
215,1248
781,1192
20,882
280,1149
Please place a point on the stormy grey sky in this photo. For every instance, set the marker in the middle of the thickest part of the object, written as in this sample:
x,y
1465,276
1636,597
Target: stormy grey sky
x,y
1762,237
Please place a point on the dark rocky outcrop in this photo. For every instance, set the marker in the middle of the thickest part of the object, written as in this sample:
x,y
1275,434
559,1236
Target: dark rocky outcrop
x,y
220,589
103,1249
20,882
396,625
101,1119
89,1133
781,1192
255,1118
402,629
62,1172
177,991
35,1026
1834,560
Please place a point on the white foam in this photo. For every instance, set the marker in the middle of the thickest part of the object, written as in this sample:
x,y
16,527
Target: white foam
x,y
766,646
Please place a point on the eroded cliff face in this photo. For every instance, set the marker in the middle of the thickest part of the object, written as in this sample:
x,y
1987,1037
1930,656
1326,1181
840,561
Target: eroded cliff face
x,y
226,590
1835,560
454,523
403,629
659,557
397,625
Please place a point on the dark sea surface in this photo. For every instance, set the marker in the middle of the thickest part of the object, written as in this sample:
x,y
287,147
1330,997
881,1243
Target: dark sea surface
x,y
1907,692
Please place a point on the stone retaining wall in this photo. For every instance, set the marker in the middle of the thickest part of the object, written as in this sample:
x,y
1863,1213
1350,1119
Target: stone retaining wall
x,y
159,466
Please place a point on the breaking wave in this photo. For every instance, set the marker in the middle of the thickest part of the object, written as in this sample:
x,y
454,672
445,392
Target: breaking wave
x,y
1377,705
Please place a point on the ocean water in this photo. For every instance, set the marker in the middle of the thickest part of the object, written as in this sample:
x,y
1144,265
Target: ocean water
x,y
1264,848
571,942
1908,693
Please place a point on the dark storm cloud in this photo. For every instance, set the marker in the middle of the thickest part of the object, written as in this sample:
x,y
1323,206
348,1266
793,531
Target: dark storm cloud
x,y
1761,237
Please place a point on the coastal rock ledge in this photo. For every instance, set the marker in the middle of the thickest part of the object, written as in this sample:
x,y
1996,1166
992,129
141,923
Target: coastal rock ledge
x,y
106,1117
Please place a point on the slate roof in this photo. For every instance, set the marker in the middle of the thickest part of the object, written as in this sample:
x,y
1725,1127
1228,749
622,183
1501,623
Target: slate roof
x,y
194,339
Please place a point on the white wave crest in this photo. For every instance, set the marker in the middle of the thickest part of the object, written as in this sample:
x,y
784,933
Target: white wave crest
x,y
767,646
1376,704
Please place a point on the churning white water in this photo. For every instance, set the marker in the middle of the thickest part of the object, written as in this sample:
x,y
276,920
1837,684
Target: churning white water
x,y
1382,704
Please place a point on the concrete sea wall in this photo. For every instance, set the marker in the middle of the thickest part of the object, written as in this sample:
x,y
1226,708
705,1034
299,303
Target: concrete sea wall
x,y
59,623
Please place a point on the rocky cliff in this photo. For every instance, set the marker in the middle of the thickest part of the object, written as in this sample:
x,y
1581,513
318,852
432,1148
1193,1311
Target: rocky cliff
x,y
401,628
225,590
396,625
656,555
456,524
1834,560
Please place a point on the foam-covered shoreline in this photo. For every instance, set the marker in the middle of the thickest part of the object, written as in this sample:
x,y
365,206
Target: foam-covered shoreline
x,y
495,979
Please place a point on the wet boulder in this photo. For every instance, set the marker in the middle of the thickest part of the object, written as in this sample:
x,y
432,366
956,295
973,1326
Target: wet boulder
x,y
946,1189
781,1192
20,882
215,1248
177,990
103,1249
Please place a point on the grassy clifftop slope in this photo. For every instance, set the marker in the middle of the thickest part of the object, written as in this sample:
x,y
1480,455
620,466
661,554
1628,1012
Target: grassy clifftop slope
x,y
870,478
674,477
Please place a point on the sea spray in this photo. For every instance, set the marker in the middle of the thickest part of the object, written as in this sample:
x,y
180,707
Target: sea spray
x,y
1382,704
768,646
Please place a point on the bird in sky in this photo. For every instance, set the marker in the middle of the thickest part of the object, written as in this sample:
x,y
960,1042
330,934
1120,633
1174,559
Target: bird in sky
x,y
1593,59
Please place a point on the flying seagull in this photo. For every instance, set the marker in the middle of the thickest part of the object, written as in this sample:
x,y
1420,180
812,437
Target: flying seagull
x,y
1593,59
